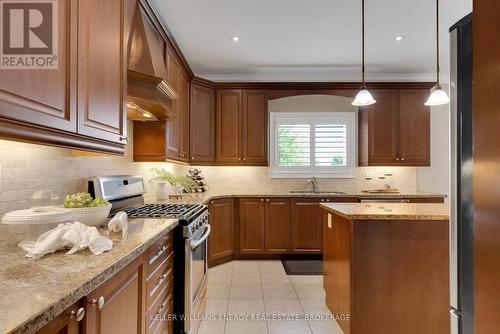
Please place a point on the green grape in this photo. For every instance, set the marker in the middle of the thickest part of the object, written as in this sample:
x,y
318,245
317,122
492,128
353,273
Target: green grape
x,y
83,200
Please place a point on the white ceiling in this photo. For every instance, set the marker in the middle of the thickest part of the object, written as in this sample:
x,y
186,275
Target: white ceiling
x,y
315,40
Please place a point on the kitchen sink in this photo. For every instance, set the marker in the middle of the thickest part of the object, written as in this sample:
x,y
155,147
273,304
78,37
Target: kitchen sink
x,y
317,192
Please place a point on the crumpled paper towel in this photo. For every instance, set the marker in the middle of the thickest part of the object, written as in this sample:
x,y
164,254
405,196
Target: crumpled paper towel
x,y
119,223
75,236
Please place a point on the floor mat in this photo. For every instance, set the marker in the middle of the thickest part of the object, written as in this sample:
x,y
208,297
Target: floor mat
x,y
303,267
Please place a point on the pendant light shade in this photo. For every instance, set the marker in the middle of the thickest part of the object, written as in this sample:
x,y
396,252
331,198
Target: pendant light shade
x,y
438,95
364,97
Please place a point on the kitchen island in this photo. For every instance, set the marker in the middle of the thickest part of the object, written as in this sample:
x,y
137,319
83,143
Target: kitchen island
x,y
386,267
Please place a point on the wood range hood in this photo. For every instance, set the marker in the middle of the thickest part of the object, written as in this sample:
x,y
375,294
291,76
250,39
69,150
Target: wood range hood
x,y
149,95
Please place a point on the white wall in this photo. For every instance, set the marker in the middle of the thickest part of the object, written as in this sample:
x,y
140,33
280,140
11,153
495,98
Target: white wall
x,y
436,177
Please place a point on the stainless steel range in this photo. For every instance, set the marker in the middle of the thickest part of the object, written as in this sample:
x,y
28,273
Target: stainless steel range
x,y
125,193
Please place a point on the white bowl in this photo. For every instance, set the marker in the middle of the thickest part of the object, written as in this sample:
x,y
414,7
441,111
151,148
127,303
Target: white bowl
x,y
93,216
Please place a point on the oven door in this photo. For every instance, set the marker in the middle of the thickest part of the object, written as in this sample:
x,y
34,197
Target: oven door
x,y
196,274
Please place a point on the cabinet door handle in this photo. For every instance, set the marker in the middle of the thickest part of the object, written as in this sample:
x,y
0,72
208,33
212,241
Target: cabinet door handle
x,y
123,138
397,159
262,200
77,315
402,159
267,199
99,303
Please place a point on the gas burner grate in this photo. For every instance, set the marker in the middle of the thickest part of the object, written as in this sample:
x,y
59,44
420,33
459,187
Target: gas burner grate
x,y
162,210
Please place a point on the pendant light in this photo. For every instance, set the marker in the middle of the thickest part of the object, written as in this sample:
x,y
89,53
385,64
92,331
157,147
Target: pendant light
x,y
438,95
364,97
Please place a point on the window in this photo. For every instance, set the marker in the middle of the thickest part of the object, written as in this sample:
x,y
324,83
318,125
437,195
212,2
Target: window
x,y
306,144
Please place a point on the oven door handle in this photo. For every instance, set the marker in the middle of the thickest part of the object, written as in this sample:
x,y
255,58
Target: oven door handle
x,y
202,238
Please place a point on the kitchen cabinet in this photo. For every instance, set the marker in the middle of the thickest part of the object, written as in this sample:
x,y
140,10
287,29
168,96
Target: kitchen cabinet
x,y
395,131
80,104
228,126
202,124
102,70
117,305
264,225
184,125
306,227
221,239
67,322
389,265
254,128
26,96
241,127
252,216
277,225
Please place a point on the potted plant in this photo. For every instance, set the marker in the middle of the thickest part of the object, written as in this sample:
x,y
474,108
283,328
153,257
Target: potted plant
x,y
167,183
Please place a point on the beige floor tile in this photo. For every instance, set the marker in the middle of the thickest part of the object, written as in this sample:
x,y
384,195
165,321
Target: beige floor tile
x,y
228,266
288,327
279,291
246,266
315,306
220,276
218,290
310,291
247,277
304,279
246,306
246,291
272,266
211,327
283,306
325,327
274,277
216,306
245,327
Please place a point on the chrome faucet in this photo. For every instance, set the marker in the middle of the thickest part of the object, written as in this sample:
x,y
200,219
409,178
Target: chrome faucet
x,y
314,183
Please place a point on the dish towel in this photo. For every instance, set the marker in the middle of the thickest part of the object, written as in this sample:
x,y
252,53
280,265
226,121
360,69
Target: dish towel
x,y
75,236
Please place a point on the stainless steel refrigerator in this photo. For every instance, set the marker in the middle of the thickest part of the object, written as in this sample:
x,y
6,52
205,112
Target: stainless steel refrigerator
x,y
461,219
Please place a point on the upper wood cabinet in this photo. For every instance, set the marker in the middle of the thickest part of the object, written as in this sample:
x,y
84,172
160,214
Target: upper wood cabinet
x,y
202,124
395,131
177,140
46,97
241,127
81,103
221,239
229,126
102,70
254,128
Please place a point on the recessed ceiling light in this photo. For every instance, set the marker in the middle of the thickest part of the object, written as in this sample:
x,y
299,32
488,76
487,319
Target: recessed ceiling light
x,y
235,38
399,38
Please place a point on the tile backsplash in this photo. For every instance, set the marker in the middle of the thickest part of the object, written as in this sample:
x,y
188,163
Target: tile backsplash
x,y
28,167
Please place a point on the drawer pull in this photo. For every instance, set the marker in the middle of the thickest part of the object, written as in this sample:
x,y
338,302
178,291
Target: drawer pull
x,y
161,250
77,315
99,303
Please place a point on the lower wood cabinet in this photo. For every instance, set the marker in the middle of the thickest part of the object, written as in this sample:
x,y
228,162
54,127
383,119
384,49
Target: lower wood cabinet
x,y
264,225
67,322
277,225
306,233
137,299
221,239
116,305
252,216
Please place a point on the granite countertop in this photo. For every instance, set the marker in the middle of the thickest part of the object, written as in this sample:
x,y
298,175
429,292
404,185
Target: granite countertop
x,y
389,211
35,292
204,198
